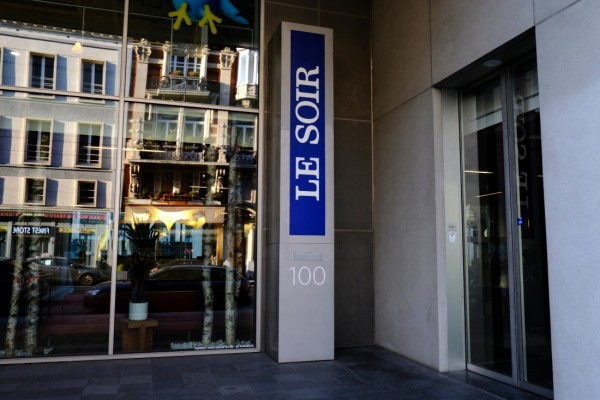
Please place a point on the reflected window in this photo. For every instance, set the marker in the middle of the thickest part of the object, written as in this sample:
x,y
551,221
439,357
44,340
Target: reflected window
x,y
42,71
86,193
88,144
92,77
187,66
248,67
247,80
244,135
194,129
166,127
39,139
35,191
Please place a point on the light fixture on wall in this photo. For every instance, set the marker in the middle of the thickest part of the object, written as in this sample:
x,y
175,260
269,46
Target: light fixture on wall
x,y
492,63
77,47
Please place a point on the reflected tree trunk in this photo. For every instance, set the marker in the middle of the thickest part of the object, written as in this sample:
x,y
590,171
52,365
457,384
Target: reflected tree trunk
x,y
230,318
33,309
235,235
207,252
25,282
207,327
13,313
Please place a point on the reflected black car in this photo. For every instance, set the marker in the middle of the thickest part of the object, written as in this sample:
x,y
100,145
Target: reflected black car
x,y
177,288
65,271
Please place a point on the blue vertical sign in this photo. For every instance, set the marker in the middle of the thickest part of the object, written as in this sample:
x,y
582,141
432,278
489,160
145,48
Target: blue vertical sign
x,y
307,134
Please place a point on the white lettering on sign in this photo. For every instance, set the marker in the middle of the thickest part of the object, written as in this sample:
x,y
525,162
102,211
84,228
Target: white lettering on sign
x,y
305,275
23,230
309,187
30,230
40,230
307,113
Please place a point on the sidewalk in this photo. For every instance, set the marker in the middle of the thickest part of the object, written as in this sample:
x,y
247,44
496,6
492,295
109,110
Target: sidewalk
x,y
357,373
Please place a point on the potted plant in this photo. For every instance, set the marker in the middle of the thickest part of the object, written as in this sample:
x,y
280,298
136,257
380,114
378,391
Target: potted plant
x,y
143,237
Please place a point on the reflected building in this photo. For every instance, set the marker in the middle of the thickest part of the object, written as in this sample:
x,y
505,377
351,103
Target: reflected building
x,y
98,134
58,152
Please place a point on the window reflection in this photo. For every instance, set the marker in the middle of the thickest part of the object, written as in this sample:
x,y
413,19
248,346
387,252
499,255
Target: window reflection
x,y
195,60
194,73
190,176
190,171
55,222
64,47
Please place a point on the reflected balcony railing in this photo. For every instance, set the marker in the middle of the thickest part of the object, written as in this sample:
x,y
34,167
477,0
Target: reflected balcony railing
x,y
178,85
150,150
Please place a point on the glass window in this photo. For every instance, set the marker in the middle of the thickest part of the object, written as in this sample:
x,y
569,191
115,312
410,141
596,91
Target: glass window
x,y
247,82
35,191
52,45
55,223
86,193
89,144
92,77
195,191
194,127
189,175
38,141
42,71
191,53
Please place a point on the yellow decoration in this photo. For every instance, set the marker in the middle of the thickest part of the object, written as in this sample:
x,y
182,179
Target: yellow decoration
x,y
180,14
210,18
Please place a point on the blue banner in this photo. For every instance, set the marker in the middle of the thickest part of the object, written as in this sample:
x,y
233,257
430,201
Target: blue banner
x,y
307,134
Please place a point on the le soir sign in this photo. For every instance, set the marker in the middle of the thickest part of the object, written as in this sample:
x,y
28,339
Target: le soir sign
x,y
307,134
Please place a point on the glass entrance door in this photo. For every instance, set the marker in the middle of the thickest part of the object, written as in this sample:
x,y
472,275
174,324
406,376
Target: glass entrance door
x,y
508,323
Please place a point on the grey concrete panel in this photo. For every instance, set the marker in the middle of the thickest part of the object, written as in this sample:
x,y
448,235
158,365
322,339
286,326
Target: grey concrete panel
x,y
463,31
405,239
297,3
353,182
277,13
352,73
361,8
401,52
354,311
568,59
545,8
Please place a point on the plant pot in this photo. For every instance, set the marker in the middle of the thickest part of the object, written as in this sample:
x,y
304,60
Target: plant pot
x,y
138,311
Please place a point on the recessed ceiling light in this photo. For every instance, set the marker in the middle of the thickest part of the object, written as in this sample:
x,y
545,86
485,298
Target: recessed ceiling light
x,y
492,63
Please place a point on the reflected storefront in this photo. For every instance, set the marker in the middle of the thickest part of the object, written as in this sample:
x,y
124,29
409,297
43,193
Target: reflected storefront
x,y
128,175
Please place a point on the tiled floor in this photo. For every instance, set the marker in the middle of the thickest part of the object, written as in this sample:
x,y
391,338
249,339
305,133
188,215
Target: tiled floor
x,y
357,373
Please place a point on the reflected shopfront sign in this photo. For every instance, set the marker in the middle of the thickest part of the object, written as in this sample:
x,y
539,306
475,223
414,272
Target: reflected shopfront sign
x,y
34,230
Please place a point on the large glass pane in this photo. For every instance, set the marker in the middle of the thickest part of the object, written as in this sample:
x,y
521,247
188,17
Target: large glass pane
x,y
56,219
187,239
532,228
53,45
201,52
488,308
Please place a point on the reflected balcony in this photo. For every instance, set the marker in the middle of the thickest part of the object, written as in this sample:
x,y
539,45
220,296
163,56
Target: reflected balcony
x,y
175,87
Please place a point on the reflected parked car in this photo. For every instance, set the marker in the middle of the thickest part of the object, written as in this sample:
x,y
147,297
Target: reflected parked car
x,y
178,261
65,271
176,288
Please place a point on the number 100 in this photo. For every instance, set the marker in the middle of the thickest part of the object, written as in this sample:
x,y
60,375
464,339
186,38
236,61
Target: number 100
x,y
305,276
